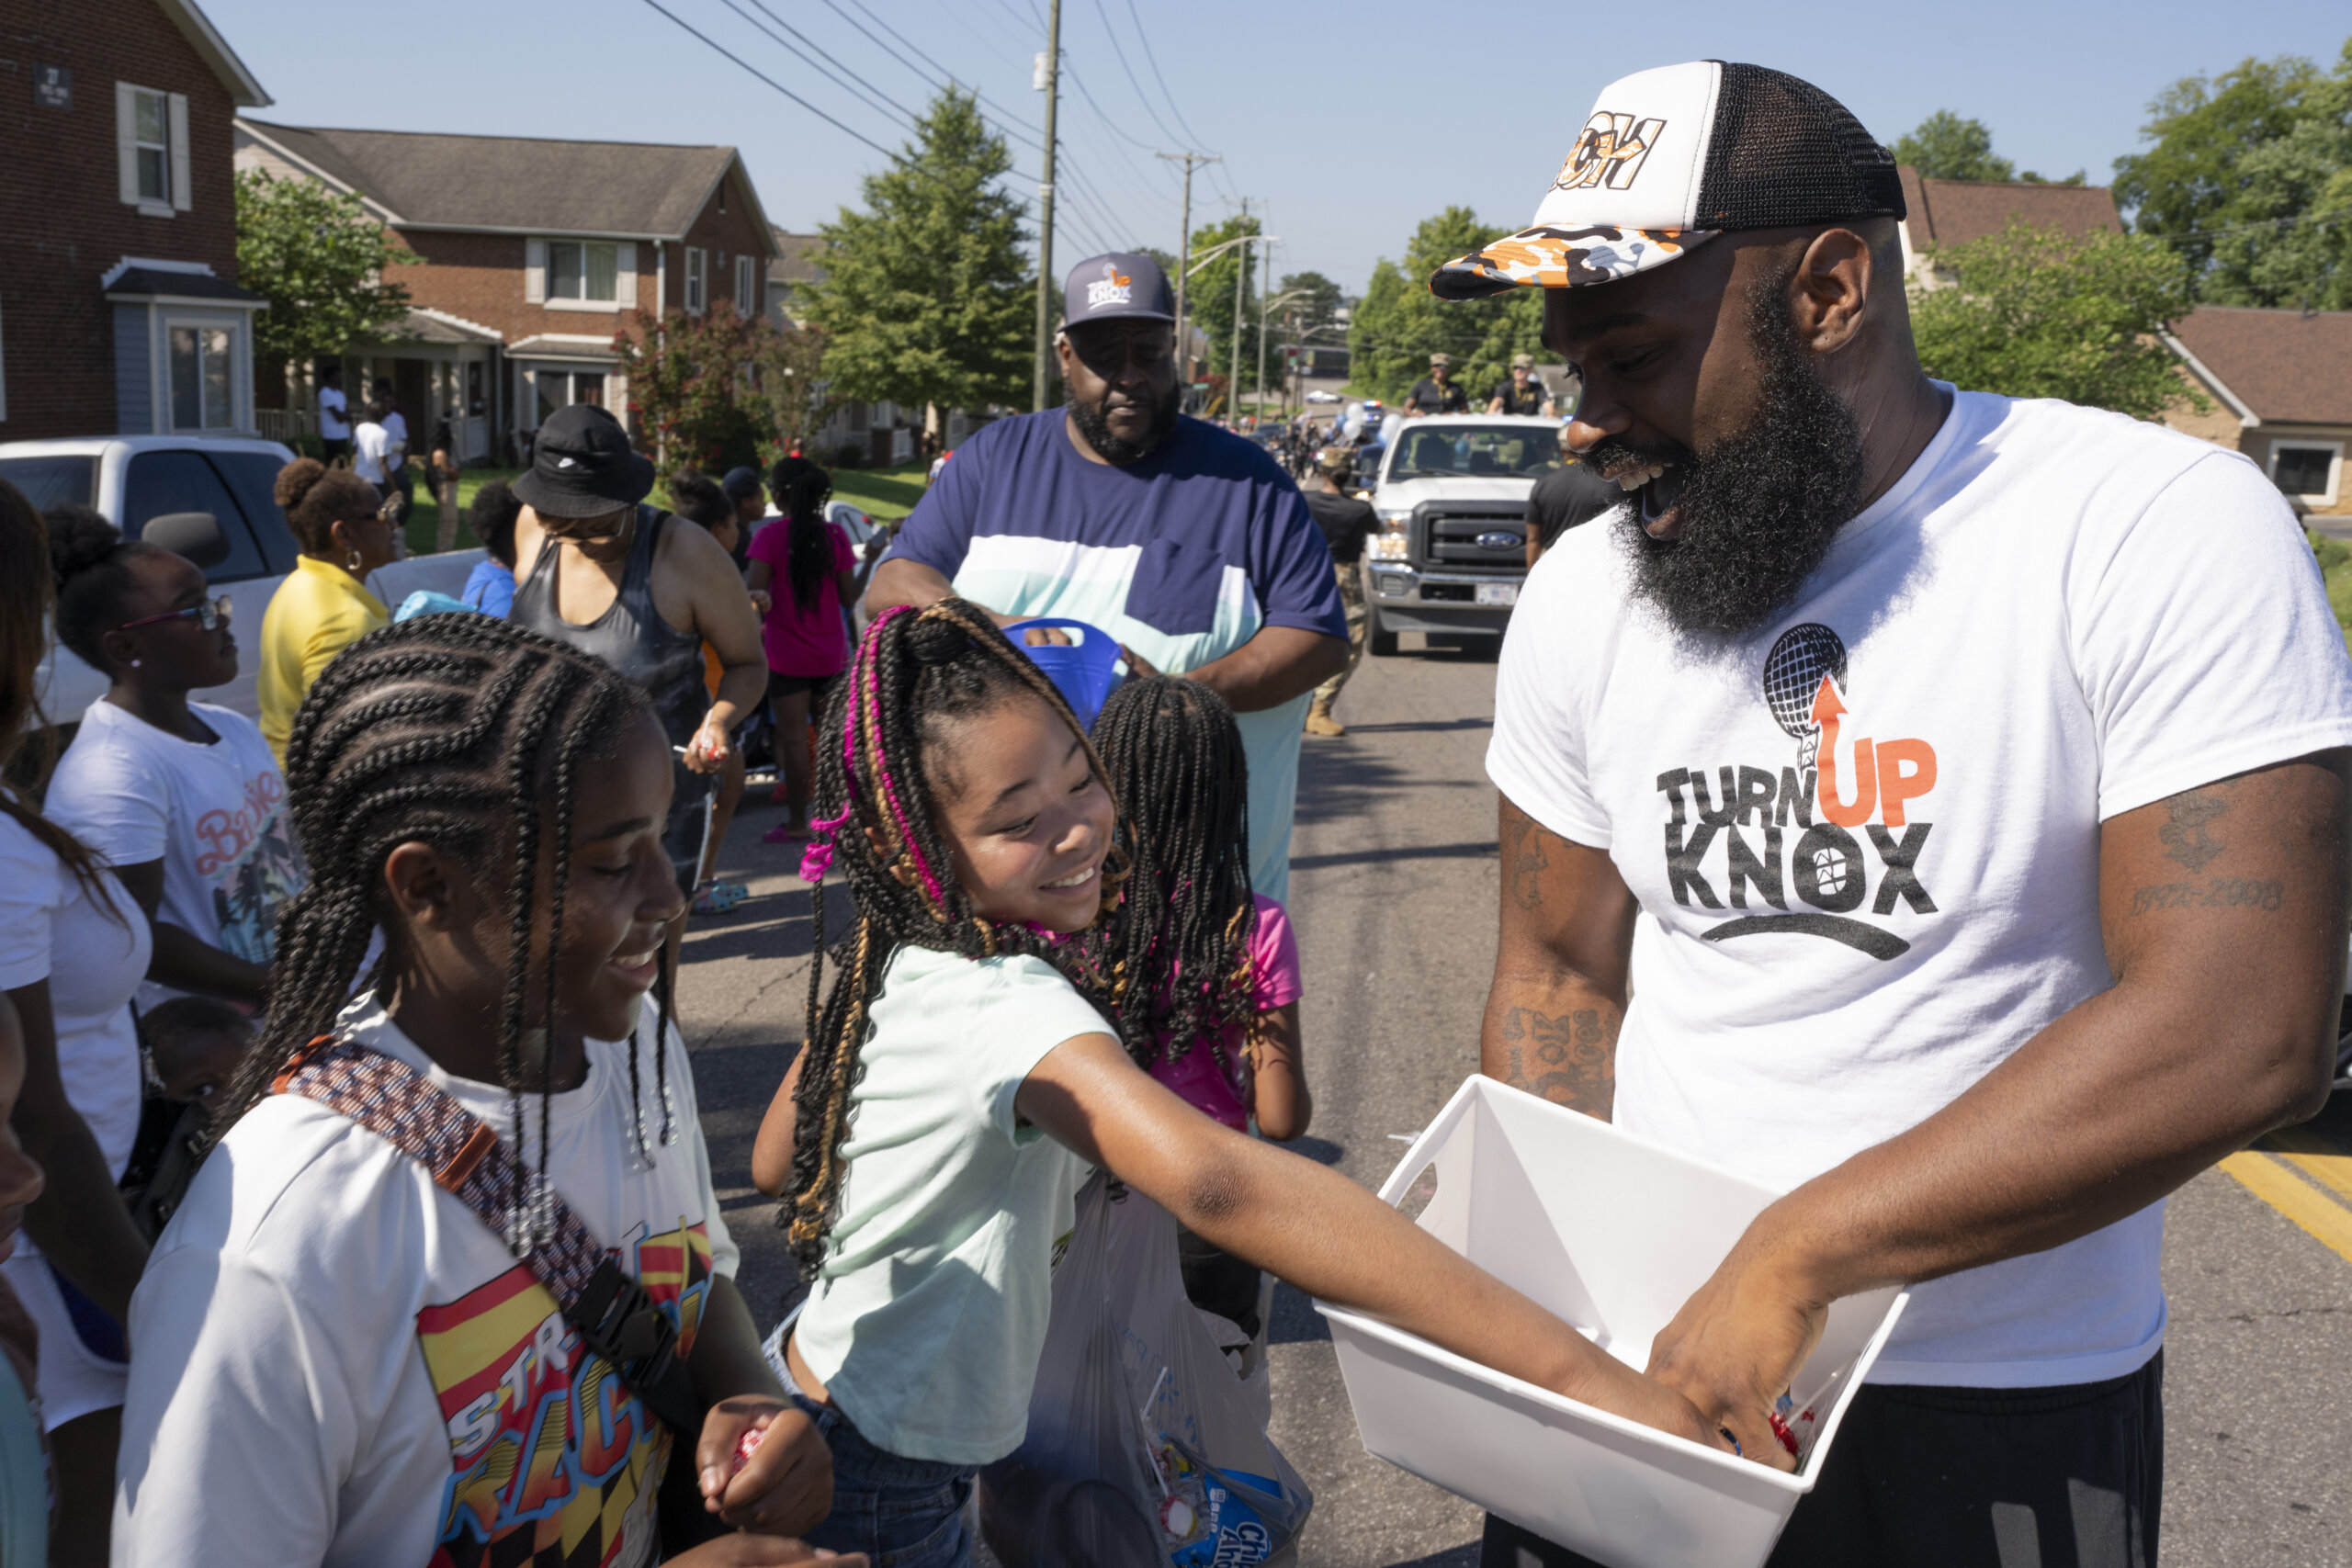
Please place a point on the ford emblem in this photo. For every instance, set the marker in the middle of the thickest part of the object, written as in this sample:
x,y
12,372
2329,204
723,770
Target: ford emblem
x,y
1499,540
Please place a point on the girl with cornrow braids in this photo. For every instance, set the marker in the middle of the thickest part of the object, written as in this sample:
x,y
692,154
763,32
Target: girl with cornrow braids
x,y
334,1358
957,1082
1226,1040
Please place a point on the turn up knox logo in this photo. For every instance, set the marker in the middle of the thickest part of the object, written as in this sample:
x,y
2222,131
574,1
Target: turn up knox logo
x,y
1827,846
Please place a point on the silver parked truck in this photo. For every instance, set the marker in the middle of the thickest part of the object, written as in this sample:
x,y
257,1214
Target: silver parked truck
x,y
1451,548
134,479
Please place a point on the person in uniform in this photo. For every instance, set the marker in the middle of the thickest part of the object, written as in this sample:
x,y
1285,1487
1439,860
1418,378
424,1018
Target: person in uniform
x,y
1523,393
1436,392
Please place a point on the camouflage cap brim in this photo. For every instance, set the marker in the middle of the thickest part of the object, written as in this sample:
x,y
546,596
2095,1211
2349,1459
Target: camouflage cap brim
x,y
1562,259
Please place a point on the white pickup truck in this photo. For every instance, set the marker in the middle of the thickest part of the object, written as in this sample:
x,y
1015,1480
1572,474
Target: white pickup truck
x,y
132,480
1451,548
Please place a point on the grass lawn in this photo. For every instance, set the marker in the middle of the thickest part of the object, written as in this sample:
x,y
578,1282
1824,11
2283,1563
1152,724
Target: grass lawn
x,y
425,522
884,494
2336,567
887,494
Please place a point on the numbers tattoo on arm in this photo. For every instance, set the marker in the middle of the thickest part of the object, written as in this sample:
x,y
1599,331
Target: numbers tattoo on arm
x,y
2220,893
1570,1059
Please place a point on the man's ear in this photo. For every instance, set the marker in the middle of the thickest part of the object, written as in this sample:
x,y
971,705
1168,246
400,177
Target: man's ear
x,y
1831,290
423,886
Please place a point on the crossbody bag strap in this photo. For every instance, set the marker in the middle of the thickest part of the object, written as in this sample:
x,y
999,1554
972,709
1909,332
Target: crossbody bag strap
x,y
615,1317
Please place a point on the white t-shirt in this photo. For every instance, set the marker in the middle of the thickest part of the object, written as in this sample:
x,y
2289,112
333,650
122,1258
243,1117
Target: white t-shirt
x,y
396,433
335,1361
334,414
51,929
927,1321
2056,616
369,447
215,815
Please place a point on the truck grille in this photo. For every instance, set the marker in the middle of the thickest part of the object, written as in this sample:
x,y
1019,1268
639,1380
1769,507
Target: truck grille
x,y
1468,538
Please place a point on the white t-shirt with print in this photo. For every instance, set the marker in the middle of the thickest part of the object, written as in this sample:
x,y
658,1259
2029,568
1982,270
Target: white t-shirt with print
x,y
335,1361
927,1321
215,815
1868,834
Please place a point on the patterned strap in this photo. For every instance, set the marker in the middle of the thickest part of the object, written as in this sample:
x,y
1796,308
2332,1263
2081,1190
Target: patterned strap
x,y
613,1314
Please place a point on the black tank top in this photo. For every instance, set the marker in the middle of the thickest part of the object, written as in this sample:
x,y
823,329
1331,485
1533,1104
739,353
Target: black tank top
x,y
631,636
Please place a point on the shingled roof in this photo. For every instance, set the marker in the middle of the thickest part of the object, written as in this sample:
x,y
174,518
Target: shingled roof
x,y
514,183
1952,213
2280,367
797,258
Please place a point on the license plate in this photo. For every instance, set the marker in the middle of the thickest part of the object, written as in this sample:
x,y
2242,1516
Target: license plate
x,y
1504,593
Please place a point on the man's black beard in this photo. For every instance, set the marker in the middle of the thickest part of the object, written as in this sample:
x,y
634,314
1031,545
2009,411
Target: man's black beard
x,y
1760,508
1096,428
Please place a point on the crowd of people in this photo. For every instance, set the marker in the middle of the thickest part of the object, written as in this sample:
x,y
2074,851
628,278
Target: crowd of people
x,y
366,1212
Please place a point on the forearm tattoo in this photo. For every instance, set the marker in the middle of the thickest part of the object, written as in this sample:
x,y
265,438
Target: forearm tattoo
x,y
1570,1059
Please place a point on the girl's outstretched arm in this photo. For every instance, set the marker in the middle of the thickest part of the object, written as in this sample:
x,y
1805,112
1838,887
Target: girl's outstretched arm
x,y
1321,1232
1278,1094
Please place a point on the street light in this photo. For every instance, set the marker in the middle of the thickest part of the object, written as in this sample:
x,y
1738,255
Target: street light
x,y
1200,259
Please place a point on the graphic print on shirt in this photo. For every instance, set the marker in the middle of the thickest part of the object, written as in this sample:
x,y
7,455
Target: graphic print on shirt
x,y
553,1462
249,858
1766,833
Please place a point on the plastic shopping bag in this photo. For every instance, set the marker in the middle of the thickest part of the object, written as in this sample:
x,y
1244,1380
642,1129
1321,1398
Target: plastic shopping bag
x,y
1144,1450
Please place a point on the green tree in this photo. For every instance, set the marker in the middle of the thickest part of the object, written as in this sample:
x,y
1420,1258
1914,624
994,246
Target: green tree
x,y
1319,301
2249,177
927,297
719,388
1946,147
323,264
1208,298
2035,313
1399,323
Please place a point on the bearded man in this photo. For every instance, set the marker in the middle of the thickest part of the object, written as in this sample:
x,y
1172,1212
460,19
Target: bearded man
x,y
1188,544
1981,765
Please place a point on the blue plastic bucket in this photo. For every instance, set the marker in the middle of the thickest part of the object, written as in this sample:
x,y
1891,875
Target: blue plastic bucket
x,y
1086,671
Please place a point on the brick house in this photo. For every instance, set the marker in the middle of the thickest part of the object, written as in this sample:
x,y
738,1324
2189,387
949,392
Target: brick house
x,y
1952,213
535,252
119,310
2281,383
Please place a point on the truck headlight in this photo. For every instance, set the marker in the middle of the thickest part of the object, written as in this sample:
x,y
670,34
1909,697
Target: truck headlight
x,y
1389,547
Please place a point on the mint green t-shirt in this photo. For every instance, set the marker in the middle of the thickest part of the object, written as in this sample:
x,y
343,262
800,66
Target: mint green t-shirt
x,y
927,1320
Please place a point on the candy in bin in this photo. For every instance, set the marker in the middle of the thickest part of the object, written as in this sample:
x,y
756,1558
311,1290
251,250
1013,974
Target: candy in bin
x,y
1795,1429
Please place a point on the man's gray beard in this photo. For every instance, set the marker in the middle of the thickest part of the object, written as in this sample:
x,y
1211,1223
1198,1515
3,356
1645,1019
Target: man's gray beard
x,y
1092,425
1761,508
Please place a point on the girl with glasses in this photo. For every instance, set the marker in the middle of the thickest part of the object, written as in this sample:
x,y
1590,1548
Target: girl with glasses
x,y
323,606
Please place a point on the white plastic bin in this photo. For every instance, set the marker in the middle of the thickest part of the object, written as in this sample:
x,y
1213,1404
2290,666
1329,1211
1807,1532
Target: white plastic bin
x,y
1614,1234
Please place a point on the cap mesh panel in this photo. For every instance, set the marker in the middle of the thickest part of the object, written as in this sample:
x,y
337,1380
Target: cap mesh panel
x,y
1786,154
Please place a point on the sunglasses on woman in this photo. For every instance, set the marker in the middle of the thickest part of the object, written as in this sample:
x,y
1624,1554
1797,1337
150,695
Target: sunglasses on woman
x,y
212,615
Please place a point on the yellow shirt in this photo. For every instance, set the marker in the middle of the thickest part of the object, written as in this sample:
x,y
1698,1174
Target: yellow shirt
x,y
317,612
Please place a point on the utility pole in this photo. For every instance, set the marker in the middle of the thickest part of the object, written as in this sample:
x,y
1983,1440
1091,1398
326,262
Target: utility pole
x,y
1184,249
1049,82
1265,299
1233,362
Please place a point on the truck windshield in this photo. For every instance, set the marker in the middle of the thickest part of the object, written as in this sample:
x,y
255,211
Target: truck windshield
x,y
51,481
1491,451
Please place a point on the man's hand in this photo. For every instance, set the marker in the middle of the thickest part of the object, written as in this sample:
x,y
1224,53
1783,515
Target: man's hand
x,y
1737,1343
1138,667
787,1485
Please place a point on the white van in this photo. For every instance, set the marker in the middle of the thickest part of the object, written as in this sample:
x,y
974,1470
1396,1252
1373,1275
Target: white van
x,y
132,480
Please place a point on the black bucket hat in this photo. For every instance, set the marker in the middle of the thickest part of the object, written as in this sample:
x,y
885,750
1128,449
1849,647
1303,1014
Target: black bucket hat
x,y
582,465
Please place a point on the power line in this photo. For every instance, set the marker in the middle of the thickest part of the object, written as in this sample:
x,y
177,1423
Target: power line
x,y
947,76
1141,97
721,49
875,92
1191,137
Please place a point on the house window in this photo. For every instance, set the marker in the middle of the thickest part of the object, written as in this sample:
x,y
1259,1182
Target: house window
x,y
582,270
746,285
697,280
202,376
152,135
2306,470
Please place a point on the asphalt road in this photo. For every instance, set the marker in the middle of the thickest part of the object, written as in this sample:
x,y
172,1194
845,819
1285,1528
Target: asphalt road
x,y
1393,890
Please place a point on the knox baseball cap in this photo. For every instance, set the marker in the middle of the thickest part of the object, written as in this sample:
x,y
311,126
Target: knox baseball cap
x,y
1105,288
1671,157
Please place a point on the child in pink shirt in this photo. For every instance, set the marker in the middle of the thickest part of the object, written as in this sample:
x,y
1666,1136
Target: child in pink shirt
x,y
1206,973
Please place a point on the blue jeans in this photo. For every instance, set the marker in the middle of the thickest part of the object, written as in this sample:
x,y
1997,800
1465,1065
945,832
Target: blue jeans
x,y
902,1513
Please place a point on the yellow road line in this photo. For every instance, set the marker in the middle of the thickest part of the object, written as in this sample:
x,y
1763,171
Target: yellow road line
x,y
2280,1186
2315,1156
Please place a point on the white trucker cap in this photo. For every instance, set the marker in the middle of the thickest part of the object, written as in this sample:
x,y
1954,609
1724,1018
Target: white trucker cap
x,y
1671,157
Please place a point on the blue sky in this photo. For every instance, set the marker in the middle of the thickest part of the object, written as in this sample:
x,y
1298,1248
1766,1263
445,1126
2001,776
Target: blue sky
x,y
1346,123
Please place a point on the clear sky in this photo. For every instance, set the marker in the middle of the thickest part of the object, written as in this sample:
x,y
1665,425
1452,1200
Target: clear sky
x,y
1346,124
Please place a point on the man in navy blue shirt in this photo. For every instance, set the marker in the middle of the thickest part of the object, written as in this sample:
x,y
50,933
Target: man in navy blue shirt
x,y
1188,544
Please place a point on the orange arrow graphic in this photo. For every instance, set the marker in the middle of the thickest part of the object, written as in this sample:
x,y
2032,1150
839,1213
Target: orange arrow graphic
x,y
1827,711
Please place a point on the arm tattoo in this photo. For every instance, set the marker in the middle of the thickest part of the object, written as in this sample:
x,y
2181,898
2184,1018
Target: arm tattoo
x,y
2220,893
1575,1057
2185,837
1527,860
